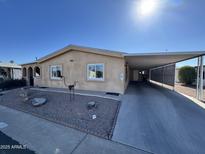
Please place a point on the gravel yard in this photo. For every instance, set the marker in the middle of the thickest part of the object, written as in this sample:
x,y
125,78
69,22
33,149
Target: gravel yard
x,y
74,113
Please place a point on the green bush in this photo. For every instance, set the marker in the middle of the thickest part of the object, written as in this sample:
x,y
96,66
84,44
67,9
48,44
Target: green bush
x,y
187,75
10,84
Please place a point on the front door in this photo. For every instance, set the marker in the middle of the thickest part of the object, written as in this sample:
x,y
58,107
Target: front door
x,y
30,76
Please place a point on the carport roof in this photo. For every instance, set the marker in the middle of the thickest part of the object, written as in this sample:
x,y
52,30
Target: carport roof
x,y
151,60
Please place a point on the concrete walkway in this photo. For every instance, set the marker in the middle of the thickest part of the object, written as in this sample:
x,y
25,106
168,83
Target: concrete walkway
x,y
46,137
160,121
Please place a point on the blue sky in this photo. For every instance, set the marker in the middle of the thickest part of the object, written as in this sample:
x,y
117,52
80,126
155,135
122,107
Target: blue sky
x,y
34,28
191,62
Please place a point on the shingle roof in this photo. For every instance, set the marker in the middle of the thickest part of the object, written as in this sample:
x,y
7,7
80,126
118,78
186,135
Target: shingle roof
x,y
83,49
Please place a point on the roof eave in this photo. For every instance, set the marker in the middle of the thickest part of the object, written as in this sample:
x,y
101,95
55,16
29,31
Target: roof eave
x,y
29,63
82,49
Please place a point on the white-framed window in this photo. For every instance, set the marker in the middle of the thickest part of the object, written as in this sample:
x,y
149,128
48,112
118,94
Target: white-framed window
x,y
95,72
56,72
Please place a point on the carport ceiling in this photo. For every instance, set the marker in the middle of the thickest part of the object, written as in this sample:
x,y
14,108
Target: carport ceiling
x,y
152,60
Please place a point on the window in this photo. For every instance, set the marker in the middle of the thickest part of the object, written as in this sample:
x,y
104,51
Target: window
x,y
24,71
56,72
37,71
95,72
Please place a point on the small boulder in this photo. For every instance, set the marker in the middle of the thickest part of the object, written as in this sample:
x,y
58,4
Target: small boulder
x,y
94,116
25,99
24,92
22,95
3,125
38,101
91,105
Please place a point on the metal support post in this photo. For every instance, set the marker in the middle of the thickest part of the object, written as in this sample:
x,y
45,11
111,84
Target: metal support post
x,y
201,78
150,75
197,78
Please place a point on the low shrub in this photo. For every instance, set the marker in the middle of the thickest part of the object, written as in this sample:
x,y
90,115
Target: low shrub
x,y
187,75
11,84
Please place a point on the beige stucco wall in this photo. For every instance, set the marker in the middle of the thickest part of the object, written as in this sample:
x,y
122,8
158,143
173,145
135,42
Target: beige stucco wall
x,y
127,79
114,76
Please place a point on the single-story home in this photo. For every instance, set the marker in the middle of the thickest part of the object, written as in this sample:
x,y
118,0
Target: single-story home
x,y
10,70
101,70
91,69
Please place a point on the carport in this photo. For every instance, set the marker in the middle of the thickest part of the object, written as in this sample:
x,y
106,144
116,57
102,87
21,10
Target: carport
x,y
160,67
155,119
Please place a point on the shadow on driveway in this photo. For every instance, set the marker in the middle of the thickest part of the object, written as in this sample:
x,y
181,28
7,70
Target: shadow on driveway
x,y
10,146
159,120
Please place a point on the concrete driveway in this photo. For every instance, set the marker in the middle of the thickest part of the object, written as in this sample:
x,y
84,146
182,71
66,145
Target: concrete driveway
x,y
160,121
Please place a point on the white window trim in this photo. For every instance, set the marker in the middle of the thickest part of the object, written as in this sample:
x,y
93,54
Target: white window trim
x,y
96,79
55,78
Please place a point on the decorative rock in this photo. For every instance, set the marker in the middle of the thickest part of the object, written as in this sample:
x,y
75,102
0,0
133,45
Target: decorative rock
x,y
22,95
24,92
25,99
94,116
38,101
91,105
3,125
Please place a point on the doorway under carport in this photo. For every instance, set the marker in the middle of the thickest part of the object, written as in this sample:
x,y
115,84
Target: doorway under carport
x,y
139,75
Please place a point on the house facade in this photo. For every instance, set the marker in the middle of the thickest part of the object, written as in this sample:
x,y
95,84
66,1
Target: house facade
x,y
102,70
91,69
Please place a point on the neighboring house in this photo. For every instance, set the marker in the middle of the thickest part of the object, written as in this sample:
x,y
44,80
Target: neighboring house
x,y
99,69
10,71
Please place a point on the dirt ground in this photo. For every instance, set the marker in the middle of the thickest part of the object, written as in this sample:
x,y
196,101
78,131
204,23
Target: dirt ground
x,y
188,90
